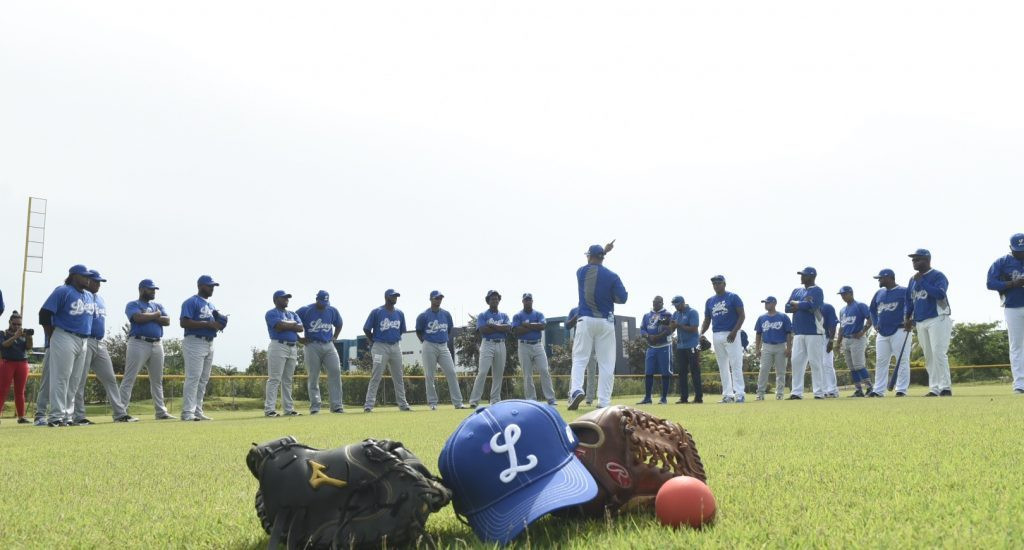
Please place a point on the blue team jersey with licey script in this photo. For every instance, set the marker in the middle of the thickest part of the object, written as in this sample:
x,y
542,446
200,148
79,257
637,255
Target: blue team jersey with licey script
x,y
386,326
927,298
435,326
852,318
73,310
774,329
887,307
1003,271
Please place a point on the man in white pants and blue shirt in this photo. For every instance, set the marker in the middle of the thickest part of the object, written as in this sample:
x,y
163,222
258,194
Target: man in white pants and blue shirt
x,y
383,329
724,313
433,328
201,322
892,339
284,327
494,327
1006,276
528,326
599,289
591,379
146,320
928,310
808,334
66,317
322,323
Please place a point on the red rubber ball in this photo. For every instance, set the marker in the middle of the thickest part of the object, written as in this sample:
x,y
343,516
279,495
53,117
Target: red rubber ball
x,y
685,500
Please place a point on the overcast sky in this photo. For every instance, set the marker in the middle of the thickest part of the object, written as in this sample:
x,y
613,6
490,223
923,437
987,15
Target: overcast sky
x,y
464,146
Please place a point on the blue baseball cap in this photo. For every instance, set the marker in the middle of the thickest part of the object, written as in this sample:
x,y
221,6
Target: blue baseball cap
x,y
678,300
390,292
436,294
808,271
527,295
78,269
206,280
845,289
1017,242
922,252
595,250
511,463
281,294
770,300
323,296
492,293
885,273
148,283
718,279
95,275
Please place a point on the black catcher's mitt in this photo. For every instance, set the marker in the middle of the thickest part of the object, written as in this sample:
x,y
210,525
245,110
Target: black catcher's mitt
x,y
369,494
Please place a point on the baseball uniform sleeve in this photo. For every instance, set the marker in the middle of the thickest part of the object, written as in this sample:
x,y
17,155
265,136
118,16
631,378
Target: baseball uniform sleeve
x,y
787,325
994,276
371,321
188,310
421,322
401,320
55,300
619,294
273,317
757,326
936,287
338,321
131,309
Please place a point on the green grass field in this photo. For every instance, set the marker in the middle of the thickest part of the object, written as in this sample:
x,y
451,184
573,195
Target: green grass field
x,y
909,472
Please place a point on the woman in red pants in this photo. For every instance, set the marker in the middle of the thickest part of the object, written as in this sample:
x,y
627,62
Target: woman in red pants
x,y
14,345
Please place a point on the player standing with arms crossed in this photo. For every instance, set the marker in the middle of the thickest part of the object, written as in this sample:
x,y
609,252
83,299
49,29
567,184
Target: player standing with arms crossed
x,y
656,328
928,309
599,289
147,320
527,325
724,313
1006,276
892,339
808,334
322,323
284,327
494,326
201,322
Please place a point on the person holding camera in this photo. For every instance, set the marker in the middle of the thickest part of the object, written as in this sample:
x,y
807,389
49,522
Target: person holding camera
x,y
14,345
656,328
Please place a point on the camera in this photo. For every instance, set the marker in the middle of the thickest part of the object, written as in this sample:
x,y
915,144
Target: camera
x,y
665,321
29,331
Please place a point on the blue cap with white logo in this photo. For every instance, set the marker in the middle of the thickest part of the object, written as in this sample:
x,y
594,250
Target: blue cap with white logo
x,y
323,297
808,271
206,280
391,292
95,275
921,252
511,463
678,300
281,294
1017,242
148,283
436,294
845,289
770,300
885,273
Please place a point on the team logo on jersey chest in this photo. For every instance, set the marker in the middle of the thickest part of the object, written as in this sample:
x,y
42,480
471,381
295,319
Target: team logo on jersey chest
x,y
719,308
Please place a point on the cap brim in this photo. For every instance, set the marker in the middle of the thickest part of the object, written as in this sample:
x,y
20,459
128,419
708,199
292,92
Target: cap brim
x,y
503,521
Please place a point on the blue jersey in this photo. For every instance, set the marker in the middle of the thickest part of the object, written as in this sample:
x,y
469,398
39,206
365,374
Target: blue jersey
x,y
807,315
435,326
829,319
852,318
774,329
99,318
887,307
72,309
927,298
198,308
488,318
651,326
275,316
1003,271
532,317
599,290
149,329
319,324
386,326
689,318
722,311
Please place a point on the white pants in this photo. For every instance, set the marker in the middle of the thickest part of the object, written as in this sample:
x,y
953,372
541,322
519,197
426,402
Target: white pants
x,y
1015,330
934,335
594,336
829,384
808,349
886,348
730,364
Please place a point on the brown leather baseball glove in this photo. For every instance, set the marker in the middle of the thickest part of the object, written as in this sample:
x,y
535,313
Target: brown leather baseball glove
x,y
631,453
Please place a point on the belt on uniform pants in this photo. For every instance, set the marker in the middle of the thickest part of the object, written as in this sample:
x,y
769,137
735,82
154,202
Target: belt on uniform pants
x,y
76,334
285,342
145,339
207,338
529,341
493,340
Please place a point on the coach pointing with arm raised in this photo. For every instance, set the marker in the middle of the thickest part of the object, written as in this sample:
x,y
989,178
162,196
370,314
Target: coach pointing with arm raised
x,y
599,290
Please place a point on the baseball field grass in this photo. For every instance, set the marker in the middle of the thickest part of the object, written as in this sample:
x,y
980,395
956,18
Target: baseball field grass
x,y
910,472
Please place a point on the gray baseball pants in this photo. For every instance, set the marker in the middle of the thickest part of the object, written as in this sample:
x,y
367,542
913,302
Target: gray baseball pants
x,y
43,395
772,355
198,364
151,355
492,360
435,354
853,351
281,362
66,361
323,355
98,360
390,356
532,356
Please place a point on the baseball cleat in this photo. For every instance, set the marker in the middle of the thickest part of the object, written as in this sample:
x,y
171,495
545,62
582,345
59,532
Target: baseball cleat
x,y
271,414
126,418
644,402
575,400
1018,390
337,411
311,413
367,409
292,413
164,417
931,394
793,397
946,393
901,394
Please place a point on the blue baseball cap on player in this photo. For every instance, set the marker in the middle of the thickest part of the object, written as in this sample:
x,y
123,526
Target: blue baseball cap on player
x,y
808,271
281,294
527,295
1017,242
920,252
78,269
323,297
595,250
511,463
95,275
718,279
885,273
390,292
436,294
678,300
770,300
148,283
492,293
845,289
206,280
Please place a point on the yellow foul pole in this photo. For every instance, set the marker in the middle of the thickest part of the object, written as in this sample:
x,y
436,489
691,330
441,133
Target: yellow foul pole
x,y
24,269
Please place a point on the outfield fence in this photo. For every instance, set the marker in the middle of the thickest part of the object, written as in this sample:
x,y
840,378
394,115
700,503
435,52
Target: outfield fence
x,y
237,391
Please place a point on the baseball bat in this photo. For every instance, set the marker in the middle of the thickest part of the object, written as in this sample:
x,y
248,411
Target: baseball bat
x,y
899,361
